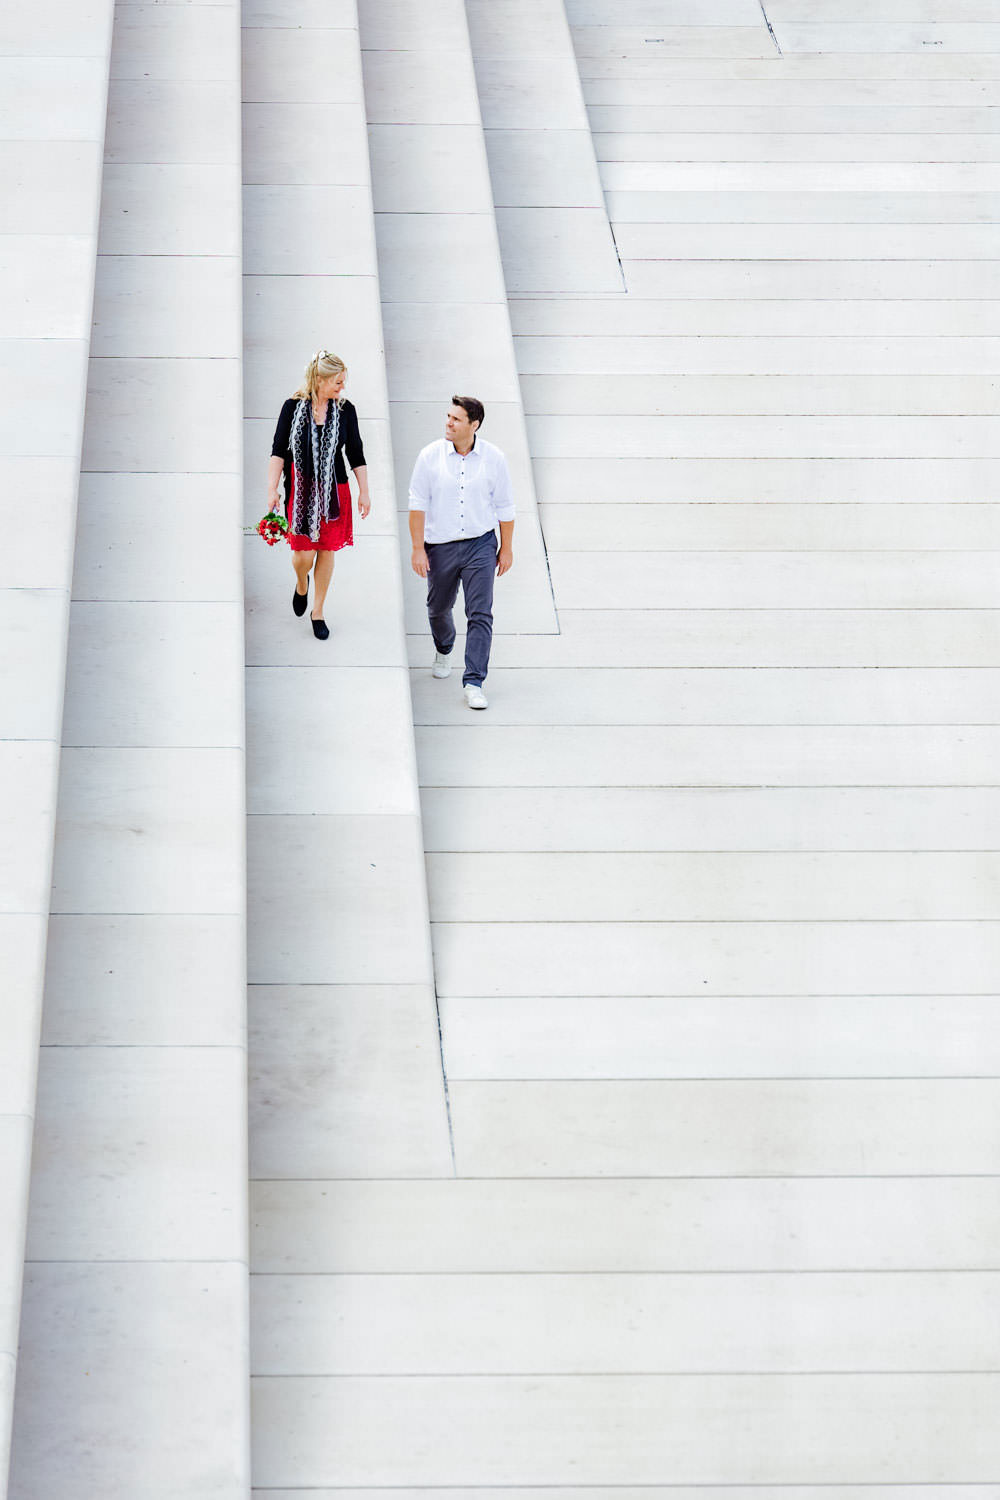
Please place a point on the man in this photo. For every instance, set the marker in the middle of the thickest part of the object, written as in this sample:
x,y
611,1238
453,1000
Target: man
x,y
460,492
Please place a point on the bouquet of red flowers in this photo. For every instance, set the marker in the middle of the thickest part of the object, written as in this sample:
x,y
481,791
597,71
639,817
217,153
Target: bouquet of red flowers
x,y
273,528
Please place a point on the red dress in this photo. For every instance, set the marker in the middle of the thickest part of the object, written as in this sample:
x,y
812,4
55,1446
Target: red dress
x,y
332,534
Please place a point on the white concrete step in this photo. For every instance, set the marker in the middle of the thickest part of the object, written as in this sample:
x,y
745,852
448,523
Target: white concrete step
x,y
764,1127
711,756
698,818
630,73
393,1432
132,1381
713,886
536,1324
815,148
799,81
773,309
635,1224
53,102
811,118
771,637
745,1036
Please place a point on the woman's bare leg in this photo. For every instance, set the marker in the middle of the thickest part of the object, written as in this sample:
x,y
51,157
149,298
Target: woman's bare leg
x,y
324,572
302,562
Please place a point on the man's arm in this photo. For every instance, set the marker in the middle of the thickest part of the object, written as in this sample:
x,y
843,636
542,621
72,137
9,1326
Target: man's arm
x,y
419,500
505,557
503,503
418,557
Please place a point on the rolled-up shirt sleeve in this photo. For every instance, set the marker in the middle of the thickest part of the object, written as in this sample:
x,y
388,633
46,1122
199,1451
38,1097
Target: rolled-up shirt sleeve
x,y
503,492
420,483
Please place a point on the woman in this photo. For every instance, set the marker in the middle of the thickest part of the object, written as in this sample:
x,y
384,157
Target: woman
x,y
316,428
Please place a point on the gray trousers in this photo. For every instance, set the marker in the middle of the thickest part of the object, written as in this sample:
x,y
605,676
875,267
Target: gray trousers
x,y
473,564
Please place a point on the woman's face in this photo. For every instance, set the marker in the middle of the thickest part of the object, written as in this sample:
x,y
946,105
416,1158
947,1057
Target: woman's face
x,y
329,387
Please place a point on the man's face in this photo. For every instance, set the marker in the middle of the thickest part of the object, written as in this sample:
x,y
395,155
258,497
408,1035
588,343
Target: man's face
x,y
457,427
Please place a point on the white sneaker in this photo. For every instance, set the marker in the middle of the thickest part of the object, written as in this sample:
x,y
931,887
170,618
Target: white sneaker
x,y
474,696
442,665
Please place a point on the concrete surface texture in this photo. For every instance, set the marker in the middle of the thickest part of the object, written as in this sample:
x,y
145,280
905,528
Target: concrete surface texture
x,y
623,1061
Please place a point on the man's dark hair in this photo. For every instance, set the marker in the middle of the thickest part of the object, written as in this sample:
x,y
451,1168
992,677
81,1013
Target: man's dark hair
x,y
474,410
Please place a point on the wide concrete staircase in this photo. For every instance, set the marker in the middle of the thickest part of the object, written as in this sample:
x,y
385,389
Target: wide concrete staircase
x,y
622,1063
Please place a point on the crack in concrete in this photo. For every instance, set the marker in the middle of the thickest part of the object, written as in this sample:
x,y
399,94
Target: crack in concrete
x,y
767,23
444,1081
614,241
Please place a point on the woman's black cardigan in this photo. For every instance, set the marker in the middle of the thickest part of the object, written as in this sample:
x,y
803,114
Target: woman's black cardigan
x,y
348,441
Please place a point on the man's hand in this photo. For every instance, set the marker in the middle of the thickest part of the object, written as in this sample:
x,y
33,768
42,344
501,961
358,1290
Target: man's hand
x,y
418,562
505,561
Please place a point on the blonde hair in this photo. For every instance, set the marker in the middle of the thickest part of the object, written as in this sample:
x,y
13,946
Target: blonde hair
x,y
322,365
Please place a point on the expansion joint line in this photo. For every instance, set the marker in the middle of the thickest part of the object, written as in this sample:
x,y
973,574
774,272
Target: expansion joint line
x,y
770,28
444,1080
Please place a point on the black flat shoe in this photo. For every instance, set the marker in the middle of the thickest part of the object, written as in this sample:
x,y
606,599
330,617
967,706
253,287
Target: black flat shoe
x,y
321,629
299,602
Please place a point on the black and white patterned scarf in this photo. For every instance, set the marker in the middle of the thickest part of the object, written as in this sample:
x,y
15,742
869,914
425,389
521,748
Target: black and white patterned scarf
x,y
314,482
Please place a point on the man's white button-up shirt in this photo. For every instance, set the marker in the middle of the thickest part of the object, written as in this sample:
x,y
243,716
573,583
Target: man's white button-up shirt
x,y
463,495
